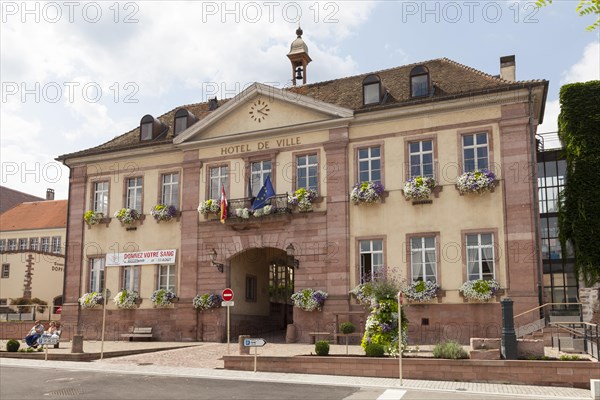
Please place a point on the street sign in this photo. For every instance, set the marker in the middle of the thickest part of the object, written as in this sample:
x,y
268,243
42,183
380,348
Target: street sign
x,y
254,342
47,340
227,294
227,303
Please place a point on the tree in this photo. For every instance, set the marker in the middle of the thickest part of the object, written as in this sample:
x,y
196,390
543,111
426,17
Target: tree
x,y
584,7
579,202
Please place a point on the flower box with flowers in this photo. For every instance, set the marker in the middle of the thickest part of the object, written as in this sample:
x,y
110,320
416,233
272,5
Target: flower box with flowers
x,y
418,188
264,211
367,193
207,301
480,290
162,212
127,299
127,216
163,298
209,208
421,291
90,300
478,181
309,299
303,199
92,218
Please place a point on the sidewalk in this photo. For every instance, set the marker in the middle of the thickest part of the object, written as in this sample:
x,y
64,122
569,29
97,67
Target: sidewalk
x,y
203,360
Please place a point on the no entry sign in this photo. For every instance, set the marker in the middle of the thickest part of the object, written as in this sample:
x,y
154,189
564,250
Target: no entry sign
x,y
227,294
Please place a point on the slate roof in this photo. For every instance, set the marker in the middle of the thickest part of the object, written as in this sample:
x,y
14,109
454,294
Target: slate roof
x,y
10,198
35,215
449,79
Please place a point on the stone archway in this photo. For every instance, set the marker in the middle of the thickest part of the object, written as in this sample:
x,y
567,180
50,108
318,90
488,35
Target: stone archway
x,y
263,281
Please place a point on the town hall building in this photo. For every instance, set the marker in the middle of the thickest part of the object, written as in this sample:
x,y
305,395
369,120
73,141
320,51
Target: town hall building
x,y
433,120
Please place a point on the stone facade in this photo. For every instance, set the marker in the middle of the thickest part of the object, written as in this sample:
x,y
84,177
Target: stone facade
x,y
329,123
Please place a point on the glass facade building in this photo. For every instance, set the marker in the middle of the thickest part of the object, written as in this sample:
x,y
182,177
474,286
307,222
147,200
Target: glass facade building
x,y
560,283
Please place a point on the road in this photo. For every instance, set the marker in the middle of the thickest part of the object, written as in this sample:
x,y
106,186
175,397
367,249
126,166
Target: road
x,y
25,383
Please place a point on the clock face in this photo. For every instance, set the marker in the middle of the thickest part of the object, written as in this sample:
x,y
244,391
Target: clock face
x,y
259,110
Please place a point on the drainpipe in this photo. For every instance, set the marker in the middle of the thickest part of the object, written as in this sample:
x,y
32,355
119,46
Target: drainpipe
x,y
536,206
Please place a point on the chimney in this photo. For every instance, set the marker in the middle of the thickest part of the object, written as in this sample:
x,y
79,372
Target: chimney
x,y
508,68
49,194
213,104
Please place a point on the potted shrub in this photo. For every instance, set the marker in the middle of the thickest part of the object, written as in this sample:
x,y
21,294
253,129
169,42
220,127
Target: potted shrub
x,y
302,198
479,289
418,188
421,291
347,328
126,299
162,298
12,346
309,299
207,301
367,193
322,348
478,181
209,207
92,218
374,350
127,216
162,212
90,300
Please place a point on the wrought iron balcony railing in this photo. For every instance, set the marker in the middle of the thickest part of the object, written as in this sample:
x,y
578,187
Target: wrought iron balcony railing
x,y
279,205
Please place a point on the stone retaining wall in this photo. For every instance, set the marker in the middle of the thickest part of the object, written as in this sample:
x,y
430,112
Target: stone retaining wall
x,y
547,373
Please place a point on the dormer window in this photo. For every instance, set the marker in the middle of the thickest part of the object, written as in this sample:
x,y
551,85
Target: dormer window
x,y
183,120
419,81
146,128
371,90
151,128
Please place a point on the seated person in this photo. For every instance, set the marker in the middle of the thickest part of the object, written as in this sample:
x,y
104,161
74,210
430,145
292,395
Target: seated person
x,y
36,331
52,330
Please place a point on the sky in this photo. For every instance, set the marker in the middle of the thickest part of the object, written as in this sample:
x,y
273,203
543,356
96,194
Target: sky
x,y
75,74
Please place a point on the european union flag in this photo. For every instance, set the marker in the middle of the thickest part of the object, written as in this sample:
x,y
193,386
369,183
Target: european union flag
x,y
263,196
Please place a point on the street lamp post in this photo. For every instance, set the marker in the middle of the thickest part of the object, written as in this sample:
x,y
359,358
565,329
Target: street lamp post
x,y
105,298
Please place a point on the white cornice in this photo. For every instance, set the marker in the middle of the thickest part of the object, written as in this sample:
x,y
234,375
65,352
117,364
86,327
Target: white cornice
x,y
259,89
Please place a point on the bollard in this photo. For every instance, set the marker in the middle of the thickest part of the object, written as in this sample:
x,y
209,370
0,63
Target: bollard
x,y
77,344
243,349
290,334
508,346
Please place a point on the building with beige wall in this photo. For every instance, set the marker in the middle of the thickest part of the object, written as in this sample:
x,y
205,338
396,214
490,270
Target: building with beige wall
x,y
437,118
32,247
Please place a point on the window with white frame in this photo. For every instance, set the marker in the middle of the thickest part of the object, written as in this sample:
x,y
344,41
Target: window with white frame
x,y
100,197
170,189
307,169
131,278
11,244
133,198
480,256
56,244
219,177
421,158
5,271
96,274
23,244
369,164
260,170
2,244
167,277
45,245
371,259
34,244
423,261
475,151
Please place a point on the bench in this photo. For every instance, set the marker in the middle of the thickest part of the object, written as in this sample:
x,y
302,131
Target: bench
x,y
315,335
138,332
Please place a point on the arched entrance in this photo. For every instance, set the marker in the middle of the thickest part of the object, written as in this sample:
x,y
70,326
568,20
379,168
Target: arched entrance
x,y
263,282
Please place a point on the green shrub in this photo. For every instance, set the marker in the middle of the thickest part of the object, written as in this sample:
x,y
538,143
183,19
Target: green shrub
x,y
322,348
347,328
12,345
374,350
571,357
450,350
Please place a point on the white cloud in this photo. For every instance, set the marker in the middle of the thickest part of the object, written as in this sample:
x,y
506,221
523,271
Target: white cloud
x,y
587,68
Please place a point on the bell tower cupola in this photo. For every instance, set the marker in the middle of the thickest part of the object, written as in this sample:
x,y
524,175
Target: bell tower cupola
x,y
299,58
